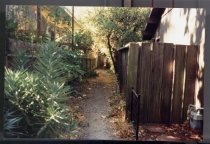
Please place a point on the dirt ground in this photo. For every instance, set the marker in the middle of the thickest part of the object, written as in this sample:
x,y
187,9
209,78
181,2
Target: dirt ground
x,y
96,108
92,108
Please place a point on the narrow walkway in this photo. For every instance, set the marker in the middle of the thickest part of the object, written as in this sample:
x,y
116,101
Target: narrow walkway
x,y
96,108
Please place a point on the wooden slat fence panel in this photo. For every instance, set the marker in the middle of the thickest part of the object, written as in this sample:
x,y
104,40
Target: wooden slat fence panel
x,y
156,81
89,63
144,80
178,88
164,75
167,79
191,72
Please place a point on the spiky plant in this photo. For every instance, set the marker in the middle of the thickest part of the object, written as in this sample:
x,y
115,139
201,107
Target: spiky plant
x,y
11,122
50,68
21,60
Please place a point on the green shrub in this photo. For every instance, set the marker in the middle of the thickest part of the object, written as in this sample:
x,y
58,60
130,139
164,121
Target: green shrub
x,y
53,69
23,95
39,96
11,122
21,60
55,62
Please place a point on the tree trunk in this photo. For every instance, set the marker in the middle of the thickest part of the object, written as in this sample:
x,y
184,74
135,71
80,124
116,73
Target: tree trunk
x,y
111,53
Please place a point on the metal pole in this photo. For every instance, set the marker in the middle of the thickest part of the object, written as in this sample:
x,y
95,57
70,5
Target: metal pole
x,y
72,27
137,121
2,63
131,108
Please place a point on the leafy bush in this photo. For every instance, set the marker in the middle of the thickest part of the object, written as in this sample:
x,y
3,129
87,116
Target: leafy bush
x,y
11,27
39,96
31,36
23,95
83,40
55,62
53,69
20,60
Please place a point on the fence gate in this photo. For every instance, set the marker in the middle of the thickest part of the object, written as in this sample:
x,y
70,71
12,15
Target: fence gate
x,y
164,75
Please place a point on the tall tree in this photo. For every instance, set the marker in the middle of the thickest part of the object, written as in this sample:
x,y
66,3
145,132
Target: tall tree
x,y
118,26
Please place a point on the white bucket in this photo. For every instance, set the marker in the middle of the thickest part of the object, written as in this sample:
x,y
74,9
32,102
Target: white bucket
x,y
195,117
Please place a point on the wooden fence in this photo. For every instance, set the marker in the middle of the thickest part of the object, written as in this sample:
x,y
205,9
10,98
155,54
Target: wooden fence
x,y
163,74
89,63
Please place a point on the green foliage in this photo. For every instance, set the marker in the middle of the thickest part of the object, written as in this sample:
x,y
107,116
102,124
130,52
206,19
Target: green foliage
x,y
55,62
83,39
71,64
20,60
22,95
54,70
59,15
31,36
122,24
11,122
117,26
40,96
11,27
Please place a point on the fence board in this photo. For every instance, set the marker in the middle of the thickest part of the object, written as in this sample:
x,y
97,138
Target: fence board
x,y
176,115
191,71
119,69
156,81
124,70
139,79
144,80
167,79
132,71
88,63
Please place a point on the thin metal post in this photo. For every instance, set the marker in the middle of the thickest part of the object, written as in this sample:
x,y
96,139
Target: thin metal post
x,y
131,116
72,18
137,121
2,63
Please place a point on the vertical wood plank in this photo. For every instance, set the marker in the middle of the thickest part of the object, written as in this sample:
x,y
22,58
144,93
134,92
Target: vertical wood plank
x,y
132,71
119,60
191,71
167,80
125,73
123,70
180,54
156,81
144,84
139,77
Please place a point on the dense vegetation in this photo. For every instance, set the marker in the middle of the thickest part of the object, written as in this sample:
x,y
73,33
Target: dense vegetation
x,y
36,95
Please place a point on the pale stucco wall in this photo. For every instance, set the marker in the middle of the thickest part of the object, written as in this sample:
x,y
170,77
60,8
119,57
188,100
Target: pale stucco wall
x,y
185,26
182,26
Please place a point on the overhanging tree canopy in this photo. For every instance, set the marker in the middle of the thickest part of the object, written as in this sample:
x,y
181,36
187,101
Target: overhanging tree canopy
x,y
117,26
